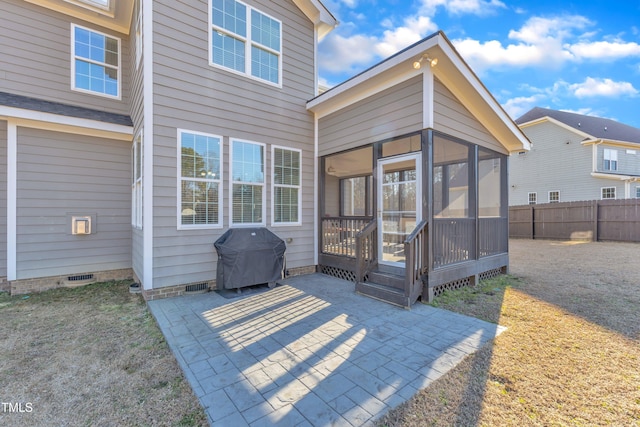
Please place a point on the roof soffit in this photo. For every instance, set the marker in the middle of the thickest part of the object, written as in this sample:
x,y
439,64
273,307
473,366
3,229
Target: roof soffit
x,y
319,15
117,17
548,119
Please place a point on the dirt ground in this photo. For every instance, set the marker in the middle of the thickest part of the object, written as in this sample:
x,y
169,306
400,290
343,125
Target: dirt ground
x,y
570,355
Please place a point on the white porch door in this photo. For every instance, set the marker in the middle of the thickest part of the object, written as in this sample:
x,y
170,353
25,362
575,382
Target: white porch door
x,y
399,205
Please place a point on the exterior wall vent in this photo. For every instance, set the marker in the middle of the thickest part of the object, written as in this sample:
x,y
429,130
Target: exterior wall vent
x,y
197,288
79,280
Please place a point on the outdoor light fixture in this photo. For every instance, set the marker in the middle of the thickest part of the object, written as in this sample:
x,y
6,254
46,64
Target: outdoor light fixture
x,y
432,61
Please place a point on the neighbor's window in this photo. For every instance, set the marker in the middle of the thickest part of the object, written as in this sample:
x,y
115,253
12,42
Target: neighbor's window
x,y
638,192
96,62
246,40
533,198
138,34
608,193
136,181
489,183
610,162
286,190
247,183
554,196
200,180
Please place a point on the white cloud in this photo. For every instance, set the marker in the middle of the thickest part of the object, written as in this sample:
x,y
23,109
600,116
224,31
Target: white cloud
x,y
460,7
604,50
339,54
516,107
602,87
413,30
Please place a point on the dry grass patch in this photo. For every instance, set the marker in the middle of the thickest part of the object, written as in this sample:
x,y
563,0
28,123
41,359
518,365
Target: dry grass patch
x,y
570,356
90,356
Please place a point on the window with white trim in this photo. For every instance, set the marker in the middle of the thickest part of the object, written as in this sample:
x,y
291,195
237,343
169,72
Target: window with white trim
x,y
554,196
136,181
608,193
638,192
610,162
200,180
248,196
286,186
95,66
533,198
245,40
139,34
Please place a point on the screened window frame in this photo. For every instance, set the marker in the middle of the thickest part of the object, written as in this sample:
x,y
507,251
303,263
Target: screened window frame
x,y
232,181
180,179
137,174
249,43
551,200
532,200
274,185
75,57
602,193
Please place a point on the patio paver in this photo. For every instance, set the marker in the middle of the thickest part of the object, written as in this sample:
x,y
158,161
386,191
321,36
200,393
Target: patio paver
x,y
311,352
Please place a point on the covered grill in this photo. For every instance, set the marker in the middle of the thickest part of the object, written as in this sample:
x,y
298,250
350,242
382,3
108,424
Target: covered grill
x,y
249,256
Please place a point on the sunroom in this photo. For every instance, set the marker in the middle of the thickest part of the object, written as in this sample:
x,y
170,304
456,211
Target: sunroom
x,y
413,176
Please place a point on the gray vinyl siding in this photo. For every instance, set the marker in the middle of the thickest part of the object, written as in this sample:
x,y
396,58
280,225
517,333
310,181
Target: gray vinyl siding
x,y
452,117
393,112
190,94
3,198
137,116
628,160
35,47
58,174
557,162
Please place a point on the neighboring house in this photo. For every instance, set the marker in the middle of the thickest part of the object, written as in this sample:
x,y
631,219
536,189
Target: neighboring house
x,y
574,157
134,133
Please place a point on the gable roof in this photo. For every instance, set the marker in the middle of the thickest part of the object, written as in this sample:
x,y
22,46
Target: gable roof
x,y
591,126
451,70
318,13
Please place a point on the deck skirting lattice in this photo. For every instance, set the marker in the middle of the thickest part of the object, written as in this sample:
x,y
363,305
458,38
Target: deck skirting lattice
x,y
338,273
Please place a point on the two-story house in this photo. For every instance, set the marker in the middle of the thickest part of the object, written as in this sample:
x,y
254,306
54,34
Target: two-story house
x,y
574,157
135,133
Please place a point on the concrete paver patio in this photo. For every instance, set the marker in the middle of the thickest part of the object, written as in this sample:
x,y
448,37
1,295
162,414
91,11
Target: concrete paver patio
x,y
311,352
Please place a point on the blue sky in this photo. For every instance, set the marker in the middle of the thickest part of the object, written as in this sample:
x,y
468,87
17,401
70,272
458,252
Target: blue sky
x,y
579,56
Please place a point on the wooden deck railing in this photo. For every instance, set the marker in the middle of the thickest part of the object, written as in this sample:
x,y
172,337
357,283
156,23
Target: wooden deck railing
x,y
366,250
339,234
416,260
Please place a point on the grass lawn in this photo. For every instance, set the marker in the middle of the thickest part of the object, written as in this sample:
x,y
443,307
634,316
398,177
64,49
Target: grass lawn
x,y
89,356
570,355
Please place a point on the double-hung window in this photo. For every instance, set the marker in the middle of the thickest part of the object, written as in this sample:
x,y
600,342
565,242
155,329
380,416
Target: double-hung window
x,y
533,198
200,180
608,193
136,181
246,40
286,189
95,62
247,183
554,196
610,162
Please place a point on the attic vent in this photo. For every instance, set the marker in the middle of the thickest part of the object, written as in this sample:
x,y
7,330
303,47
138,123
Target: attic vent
x,y
80,277
197,287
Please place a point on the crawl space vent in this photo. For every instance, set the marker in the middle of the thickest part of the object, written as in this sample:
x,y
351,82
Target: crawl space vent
x,y
79,280
197,288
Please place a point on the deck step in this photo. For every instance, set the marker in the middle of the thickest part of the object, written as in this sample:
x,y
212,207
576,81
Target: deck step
x,y
387,279
383,292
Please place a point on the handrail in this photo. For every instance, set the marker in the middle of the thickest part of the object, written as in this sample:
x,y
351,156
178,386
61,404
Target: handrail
x,y
366,250
416,263
338,235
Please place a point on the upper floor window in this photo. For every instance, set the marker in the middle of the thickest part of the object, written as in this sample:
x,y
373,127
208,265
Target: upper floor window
x,y
246,40
247,183
638,192
608,193
610,162
554,196
533,198
95,64
200,176
286,186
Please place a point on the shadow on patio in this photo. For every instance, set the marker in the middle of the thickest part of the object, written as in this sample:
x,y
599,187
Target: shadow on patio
x,y
311,352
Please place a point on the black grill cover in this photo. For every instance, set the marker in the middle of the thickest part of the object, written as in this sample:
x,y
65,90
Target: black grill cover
x,y
248,256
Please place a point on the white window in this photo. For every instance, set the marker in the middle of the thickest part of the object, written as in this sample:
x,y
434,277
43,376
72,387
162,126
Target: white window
x,y
248,205
245,40
95,62
638,192
286,186
199,180
533,198
608,193
554,196
136,181
138,34
610,162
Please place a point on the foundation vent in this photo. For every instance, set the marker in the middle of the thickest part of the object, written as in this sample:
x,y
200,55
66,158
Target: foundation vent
x,y
79,279
197,288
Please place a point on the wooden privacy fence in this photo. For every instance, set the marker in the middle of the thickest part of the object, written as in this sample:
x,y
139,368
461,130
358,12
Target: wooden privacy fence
x,y
612,220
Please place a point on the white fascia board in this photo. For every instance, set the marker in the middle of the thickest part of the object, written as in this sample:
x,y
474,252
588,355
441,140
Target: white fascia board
x,y
321,17
559,123
335,99
40,120
613,143
614,177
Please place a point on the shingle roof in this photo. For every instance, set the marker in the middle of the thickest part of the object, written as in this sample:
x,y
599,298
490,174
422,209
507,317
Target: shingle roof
x,y
34,104
597,127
